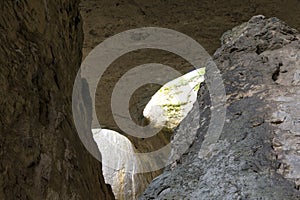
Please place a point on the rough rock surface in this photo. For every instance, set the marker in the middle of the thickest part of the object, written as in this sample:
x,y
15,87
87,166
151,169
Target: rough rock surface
x,y
204,20
257,155
41,156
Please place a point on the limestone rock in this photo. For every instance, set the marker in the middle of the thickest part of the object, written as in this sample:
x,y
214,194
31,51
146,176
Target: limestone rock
x,y
120,165
41,156
171,103
117,162
174,100
257,155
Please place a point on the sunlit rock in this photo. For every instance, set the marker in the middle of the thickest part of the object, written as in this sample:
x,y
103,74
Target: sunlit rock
x,y
166,109
171,103
117,161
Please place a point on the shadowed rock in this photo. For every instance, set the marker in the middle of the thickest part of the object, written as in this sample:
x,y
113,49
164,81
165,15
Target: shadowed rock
x,y
41,155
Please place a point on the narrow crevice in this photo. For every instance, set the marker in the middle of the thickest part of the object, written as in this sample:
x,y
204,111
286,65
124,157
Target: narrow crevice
x,y
275,74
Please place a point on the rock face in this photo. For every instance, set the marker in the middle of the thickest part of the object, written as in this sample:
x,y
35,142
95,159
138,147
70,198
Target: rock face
x,y
117,158
119,165
257,155
41,156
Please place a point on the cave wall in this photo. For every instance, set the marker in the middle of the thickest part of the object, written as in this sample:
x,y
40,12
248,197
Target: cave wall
x,y
41,156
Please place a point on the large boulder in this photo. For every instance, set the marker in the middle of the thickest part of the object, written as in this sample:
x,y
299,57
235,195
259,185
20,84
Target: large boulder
x,y
257,154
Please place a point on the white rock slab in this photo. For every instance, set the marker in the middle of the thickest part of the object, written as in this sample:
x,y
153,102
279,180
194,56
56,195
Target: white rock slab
x,y
172,102
117,160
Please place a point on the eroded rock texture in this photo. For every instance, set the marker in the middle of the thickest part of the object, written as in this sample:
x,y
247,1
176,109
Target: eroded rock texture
x,y
41,156
257,155
204,21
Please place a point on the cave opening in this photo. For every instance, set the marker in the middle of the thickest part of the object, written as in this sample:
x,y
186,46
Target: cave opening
x,y
165,110
160,106
104,19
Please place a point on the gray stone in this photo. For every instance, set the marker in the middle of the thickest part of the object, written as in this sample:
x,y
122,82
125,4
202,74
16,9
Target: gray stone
x,y
257,155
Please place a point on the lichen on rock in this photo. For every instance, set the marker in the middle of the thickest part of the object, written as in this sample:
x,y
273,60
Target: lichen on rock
x,y
171,103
